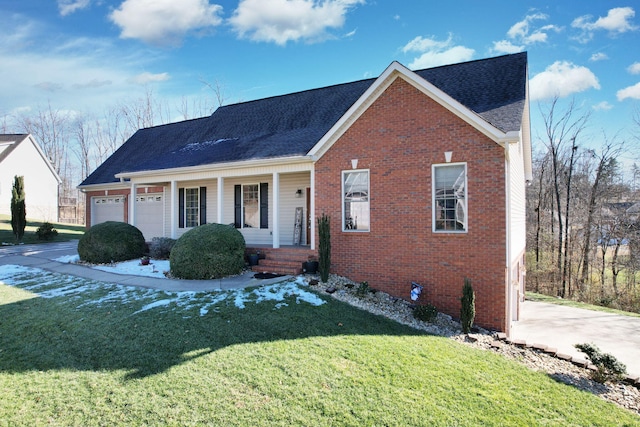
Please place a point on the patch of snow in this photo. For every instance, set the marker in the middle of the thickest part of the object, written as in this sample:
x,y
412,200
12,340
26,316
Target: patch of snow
x,y
68,259
94,293
156,268
160,303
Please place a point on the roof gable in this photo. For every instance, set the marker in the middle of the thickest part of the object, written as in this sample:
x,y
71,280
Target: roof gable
x,y
10,142
491,92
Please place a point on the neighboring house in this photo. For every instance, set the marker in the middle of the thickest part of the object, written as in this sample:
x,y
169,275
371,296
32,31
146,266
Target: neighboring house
x,y
21,155
422,172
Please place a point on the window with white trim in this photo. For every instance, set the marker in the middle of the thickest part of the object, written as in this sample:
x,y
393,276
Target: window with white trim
x,y
191,207
251,206
450,197
355,200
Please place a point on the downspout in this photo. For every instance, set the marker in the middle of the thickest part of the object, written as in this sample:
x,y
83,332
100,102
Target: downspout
x,y
312,215
508,240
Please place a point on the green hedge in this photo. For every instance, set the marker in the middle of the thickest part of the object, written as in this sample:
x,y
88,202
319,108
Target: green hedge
x,y
209,251
111,241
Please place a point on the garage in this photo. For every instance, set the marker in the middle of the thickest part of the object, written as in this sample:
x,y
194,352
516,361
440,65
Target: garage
x,y
149,215
108,208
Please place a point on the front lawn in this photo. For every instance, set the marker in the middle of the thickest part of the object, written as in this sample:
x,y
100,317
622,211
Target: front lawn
x,y
66,232
77,352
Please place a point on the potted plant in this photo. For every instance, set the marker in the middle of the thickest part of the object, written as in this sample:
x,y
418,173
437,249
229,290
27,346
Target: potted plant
x,y
310,266
145,260
253,259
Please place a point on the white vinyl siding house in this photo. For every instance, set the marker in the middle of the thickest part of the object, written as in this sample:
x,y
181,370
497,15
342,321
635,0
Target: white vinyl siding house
x,y
22,156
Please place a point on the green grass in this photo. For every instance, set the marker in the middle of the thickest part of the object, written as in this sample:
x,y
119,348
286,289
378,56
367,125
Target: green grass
x,y
532,296
66,232
87,354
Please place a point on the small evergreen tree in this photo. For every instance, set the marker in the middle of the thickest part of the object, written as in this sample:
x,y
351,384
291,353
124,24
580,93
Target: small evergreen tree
x,y
324,247
18,208
468,308
608,368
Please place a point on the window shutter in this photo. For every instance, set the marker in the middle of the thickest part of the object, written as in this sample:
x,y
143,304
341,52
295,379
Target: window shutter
x,y
264,205
237,204
181,208
203,205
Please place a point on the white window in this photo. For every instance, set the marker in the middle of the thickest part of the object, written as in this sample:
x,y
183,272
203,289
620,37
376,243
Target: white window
x,y
191,207
251,206
355,200
450,197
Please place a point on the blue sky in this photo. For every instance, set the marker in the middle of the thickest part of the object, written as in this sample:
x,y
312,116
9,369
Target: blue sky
x,y
85,56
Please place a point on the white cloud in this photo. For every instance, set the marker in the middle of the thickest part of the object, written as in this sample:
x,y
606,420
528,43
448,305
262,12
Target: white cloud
x,y
562,79
632,92
602,106
634,68
522,34
72,73
280,21
67,7
505,46
48,86
598,57
164,22
93,83
617,21
436,52
520,30
146,77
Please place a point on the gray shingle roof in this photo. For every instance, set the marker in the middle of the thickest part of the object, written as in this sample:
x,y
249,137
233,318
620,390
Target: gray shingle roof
x,y
15,139
290,125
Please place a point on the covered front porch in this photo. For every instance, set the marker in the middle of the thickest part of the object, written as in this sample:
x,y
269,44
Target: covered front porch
x,y
271,205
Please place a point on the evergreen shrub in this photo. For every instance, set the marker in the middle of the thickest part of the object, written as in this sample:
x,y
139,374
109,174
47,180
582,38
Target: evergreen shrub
x,y
468,306
160,247
210,251
46,231
111,241
426,313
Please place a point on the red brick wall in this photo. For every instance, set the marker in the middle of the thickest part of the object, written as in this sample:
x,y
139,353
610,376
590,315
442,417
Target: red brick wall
x,y
398,139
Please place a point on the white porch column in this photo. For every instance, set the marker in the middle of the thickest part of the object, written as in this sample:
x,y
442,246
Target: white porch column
x,y
174,209
220,199
132,205
276,210
312,207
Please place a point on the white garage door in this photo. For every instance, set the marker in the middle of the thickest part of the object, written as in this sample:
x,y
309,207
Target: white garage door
x,y
149,215
108,208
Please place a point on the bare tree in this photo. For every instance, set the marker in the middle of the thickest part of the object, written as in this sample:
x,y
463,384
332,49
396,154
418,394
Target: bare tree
x,y
84,142
560,131
50,128
606,161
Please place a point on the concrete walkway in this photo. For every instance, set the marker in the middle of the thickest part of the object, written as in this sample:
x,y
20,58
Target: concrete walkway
x,y
43,255
561,327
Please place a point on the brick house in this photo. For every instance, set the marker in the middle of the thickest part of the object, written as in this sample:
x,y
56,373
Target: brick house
x,y
423,174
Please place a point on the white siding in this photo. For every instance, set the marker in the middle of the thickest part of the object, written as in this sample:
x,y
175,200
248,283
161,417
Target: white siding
x,y
289,184
212,203
517,186
40,183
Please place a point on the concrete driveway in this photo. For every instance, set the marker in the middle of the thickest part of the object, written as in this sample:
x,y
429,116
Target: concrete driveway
x,y
561,327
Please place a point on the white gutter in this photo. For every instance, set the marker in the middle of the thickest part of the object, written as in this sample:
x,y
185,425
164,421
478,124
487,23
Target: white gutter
x,y
217,167
509,295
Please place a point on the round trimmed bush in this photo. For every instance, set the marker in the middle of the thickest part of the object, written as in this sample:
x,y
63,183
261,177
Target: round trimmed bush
x,y
111,241
209,251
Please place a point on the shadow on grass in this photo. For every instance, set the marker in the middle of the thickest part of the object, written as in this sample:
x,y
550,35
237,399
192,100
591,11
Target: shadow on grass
x,y
66,232
61,333
580,383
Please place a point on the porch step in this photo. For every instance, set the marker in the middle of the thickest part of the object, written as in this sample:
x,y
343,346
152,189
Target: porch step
x,y
281,260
